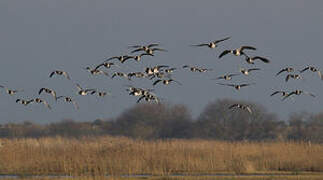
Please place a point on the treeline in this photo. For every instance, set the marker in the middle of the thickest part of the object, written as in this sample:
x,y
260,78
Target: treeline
x,y
160,121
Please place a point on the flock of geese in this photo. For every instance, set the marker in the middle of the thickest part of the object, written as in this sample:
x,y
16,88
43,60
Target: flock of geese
x,y
162,75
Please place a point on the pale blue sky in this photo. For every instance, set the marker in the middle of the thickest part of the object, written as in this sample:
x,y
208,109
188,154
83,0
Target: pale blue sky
x,y
38,36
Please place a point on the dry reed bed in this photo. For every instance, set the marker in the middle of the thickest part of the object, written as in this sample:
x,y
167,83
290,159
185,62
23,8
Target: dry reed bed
x,y
120,155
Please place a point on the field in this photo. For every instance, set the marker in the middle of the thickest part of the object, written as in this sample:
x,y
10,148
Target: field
x,y
116,156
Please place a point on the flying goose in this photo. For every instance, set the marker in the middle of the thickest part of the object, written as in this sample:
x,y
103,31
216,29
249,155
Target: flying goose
x,y
283,93
10,91
191,68
138,91
246,71
38,100
313,69
96,71
149,97
84,92
236,86
151,51
159,75
58,72
205,70
143,48
212,44
137,75
287,69
251,60
241,106
166,81
107,65
238,51
49,91
120,74
196,69
24,102
298,92
169,70
138,57
122,58
294,76
155,69
101,93
69,100
227,76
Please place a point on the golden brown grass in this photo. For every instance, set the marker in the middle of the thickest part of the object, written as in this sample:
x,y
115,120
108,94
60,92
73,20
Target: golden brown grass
x,y
120,155
299,177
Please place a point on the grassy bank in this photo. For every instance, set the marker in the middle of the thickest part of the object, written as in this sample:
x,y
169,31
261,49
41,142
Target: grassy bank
x,y
119,155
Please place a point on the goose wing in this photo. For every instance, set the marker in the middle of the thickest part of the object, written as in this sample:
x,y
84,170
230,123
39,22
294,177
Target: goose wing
x,y
263,59
308,93
98,66
60,97
146,54
46,104
53,93
126,58
248,109
141,97
276,92
153,45
320,74
176,81
233,106
200,45
305,69
247,47
157,81
280,71
136,50
288,77
78,87
232,85
52,74
65,74
217,41
254,69
225,52
76,106
158,49
111,58
135,46
244,85
161,66
41,90
288,95
231,75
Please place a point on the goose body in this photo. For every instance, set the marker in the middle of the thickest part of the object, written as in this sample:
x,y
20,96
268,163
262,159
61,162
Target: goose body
x,y
237,52
236,86
69,100
60,73
227,76
251,60
165,81
293,76
241,106
212,44
48,91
